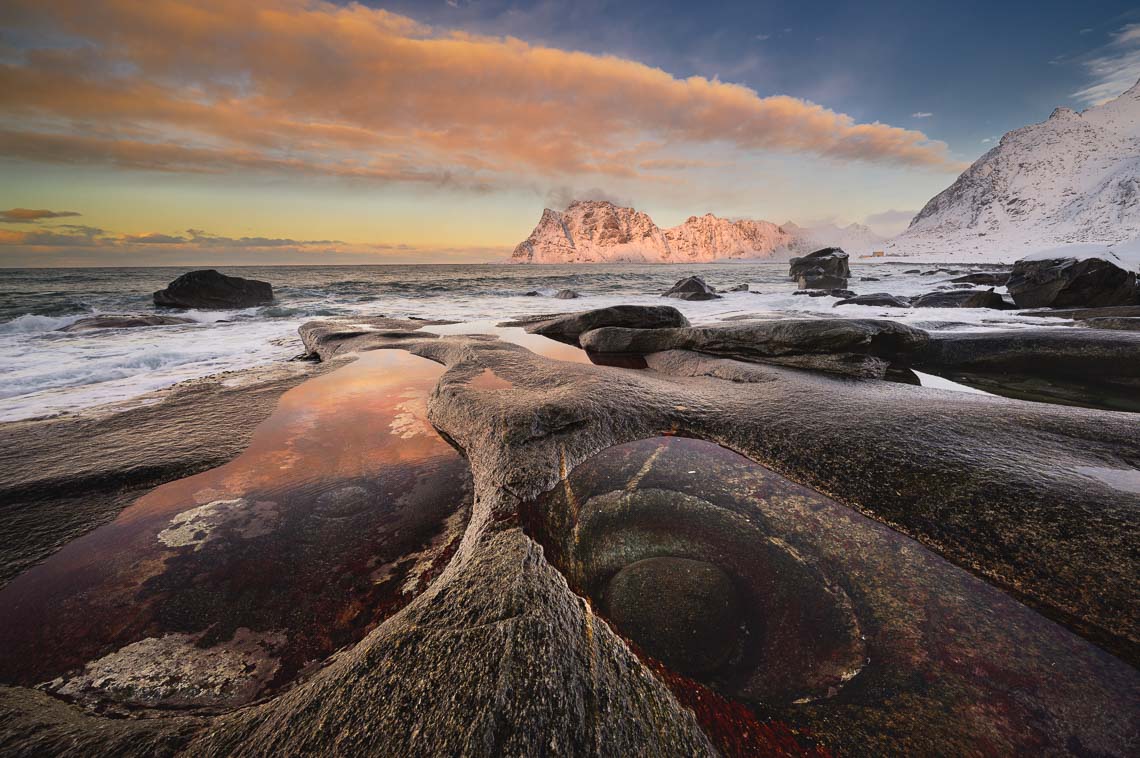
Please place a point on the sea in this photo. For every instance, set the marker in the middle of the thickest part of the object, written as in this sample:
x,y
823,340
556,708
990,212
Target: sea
x,y
46,372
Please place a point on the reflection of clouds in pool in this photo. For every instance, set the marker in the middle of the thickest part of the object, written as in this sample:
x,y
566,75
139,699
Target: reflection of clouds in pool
x,y
411,416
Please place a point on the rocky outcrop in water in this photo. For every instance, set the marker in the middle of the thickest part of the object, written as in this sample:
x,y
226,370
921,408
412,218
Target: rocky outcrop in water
x,y
110,321
824,269
692,288
210,289
1066,282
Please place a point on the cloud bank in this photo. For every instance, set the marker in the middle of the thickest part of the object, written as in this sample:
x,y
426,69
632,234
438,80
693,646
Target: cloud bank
x,y
307,87
77,245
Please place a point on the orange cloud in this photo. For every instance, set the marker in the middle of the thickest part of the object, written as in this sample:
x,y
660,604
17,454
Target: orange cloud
x,y
295,85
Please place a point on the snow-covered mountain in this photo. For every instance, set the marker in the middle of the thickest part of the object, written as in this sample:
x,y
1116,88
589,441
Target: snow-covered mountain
x,y
1074,178
597,231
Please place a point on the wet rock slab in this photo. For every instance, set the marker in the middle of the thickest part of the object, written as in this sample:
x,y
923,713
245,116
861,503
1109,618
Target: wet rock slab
x,y
823,621
568,327
497,654
855,347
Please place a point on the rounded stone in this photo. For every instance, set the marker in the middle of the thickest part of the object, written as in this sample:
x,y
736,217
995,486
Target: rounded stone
x,y
684,612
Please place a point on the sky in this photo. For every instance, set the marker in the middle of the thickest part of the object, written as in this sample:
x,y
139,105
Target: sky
x,y
207,132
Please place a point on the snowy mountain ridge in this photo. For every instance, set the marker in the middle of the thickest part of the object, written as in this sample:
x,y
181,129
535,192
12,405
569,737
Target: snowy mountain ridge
x,y
1071,179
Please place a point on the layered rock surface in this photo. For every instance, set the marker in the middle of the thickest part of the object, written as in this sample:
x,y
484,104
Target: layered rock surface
x,y
500,656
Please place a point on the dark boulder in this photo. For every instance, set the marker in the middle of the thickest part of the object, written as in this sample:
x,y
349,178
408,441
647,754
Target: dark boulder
x,y
868,278
877,299
692,288
566,328
830,262
815,279
988,278
960,299
739,288
857,347
211,289
566,295
109,321
1072,283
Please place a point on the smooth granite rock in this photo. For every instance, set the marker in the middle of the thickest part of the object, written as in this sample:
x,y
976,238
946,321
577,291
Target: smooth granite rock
x,y
854,347
568,327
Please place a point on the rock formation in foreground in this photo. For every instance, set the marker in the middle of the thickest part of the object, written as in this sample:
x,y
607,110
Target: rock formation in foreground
x,y
730,588
1074,178
597,231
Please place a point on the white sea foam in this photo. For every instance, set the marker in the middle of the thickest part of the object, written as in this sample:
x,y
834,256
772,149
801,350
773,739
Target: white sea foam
x,y
47,372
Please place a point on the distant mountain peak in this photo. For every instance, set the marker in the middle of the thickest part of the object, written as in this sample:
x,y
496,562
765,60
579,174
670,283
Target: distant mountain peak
x,y
598,231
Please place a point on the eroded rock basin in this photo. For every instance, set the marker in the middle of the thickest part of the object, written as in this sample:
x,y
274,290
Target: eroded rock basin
x,y
665,596
831,628
217,589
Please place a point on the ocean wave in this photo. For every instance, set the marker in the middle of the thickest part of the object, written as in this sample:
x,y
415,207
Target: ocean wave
x,y
31,323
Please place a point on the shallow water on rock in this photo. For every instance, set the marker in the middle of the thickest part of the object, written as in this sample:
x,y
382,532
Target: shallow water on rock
x,y
212,590
725,575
